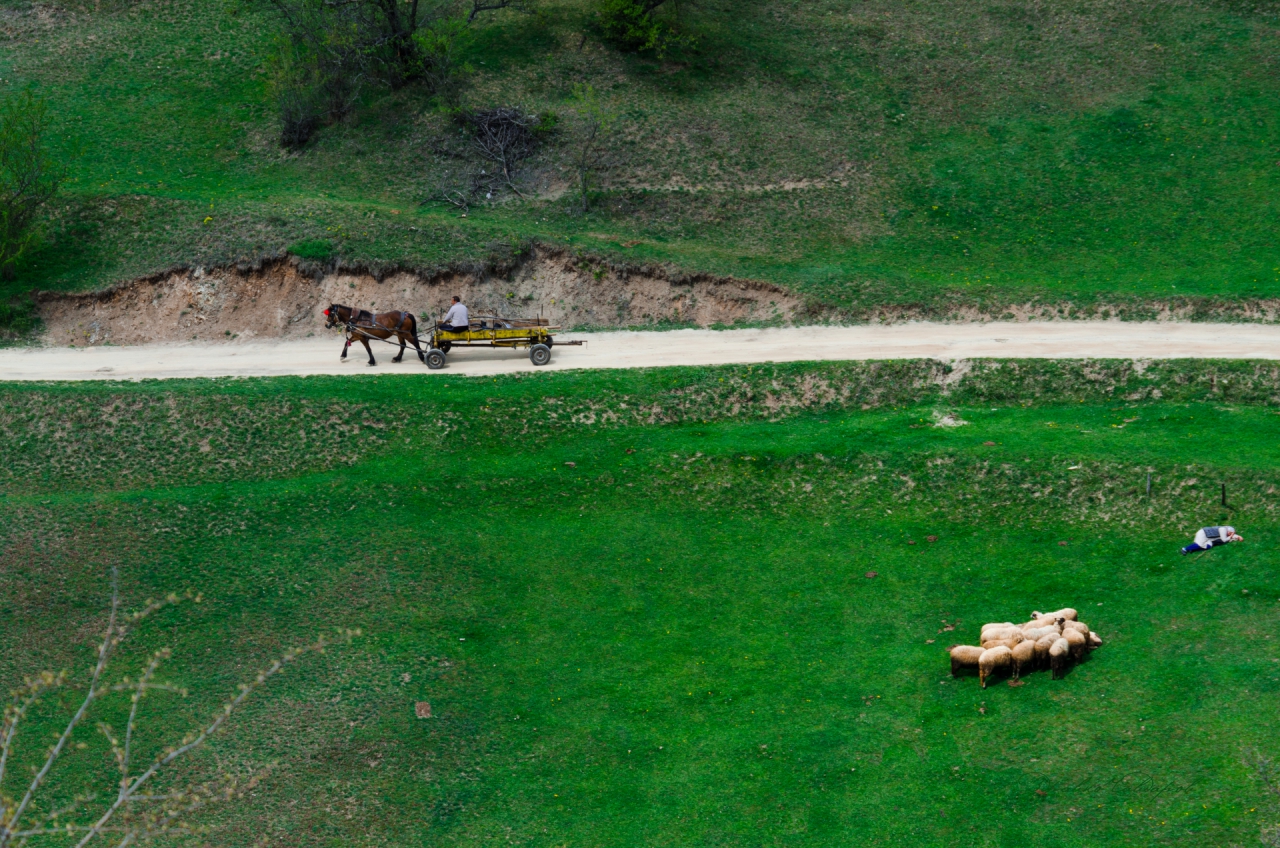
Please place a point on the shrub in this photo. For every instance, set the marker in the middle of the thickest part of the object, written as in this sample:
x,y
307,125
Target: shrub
x,y
18,318
441,46
633,25
29,177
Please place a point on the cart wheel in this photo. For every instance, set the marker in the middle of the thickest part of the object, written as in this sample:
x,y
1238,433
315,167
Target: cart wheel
x,y
435,359
539,354
549,341
445,346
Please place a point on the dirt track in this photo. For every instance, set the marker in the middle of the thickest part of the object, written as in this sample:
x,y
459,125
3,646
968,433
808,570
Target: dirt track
x,y
319,355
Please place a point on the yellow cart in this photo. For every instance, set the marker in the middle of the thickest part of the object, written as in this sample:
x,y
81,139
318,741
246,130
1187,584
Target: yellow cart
x,y
485,331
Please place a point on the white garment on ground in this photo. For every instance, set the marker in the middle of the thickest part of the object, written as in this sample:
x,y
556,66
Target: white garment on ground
x,y
1203,540
456,316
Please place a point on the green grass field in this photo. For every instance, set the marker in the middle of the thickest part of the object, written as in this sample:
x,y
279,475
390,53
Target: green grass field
x,y
638,602
877,154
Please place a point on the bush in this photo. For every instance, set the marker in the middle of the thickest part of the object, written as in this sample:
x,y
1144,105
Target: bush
x,y
18,318
632,25
441,46
29,177
311,89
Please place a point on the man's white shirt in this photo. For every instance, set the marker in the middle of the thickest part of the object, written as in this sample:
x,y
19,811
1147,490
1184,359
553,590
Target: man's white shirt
x,y
456,316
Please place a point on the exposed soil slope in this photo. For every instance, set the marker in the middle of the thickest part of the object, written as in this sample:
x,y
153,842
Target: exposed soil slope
x,y
282,299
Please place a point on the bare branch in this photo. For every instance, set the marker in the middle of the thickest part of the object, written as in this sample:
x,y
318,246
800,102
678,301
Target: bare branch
x,y
145,679
191,742
480,6
15,713
109,642
145,815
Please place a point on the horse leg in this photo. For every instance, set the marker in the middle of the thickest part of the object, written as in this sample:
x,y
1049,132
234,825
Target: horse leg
x,y
400,355
372,361
413,336
344,349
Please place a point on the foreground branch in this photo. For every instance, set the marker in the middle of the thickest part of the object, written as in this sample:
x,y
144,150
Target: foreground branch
x,y
157,813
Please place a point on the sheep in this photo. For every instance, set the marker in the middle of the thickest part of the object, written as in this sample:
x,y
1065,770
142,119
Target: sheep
x,y
995,631
1095,641
963,656
1036,632
1024,656
991,631
1075,625
1058,652
992,659
1008,639
1076,641
1042,648
1066,612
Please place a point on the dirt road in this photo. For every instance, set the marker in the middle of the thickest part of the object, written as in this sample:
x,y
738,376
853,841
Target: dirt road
x,y
319,355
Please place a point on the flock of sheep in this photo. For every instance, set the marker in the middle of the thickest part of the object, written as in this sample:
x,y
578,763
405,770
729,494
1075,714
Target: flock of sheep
x,y
1048,639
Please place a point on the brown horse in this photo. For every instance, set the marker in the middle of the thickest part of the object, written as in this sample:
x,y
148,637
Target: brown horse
x,y
362,325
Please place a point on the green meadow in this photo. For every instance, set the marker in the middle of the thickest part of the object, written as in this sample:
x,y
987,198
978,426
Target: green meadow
x,y
668,607
1097,153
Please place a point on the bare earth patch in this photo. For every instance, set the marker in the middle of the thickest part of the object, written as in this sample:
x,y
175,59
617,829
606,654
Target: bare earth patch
x,y
280,299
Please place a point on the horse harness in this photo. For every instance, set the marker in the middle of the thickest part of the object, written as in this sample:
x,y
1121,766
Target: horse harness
x,y
357,314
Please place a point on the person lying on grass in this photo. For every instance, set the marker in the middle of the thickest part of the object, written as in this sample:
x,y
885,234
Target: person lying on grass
x,y
1209,537
455,320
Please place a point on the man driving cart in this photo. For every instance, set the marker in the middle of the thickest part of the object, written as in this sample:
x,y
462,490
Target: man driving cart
x,y
456,320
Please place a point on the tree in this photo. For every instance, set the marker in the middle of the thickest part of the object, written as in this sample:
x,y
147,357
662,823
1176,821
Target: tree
x,y
591,133
29,176
140,804
333,49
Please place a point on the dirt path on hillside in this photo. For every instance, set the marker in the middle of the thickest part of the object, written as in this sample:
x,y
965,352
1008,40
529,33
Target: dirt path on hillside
x,y
319,354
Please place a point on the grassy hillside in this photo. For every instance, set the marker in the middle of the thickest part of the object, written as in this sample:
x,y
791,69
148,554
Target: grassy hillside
x,y
865,153
717,667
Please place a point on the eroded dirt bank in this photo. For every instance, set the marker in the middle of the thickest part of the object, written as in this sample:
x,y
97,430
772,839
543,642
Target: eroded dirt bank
x,y
281,299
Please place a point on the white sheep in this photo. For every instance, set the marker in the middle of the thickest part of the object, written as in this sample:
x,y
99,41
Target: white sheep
x,y
1043,644
1009,638
963,656
1095,641
992,659
1036,633
1058,653
1024,657
1076,625
1076,641
995,627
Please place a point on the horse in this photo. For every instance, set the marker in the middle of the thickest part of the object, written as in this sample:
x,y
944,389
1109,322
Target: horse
x,y
363,325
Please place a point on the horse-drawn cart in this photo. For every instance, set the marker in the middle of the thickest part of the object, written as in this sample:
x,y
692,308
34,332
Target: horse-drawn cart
x,y
401,328
490,331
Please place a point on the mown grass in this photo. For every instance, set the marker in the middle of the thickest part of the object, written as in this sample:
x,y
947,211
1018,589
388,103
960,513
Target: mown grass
x,y
648,619
887,154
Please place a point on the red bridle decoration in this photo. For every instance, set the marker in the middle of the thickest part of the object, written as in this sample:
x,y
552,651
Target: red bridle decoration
x,y
326,312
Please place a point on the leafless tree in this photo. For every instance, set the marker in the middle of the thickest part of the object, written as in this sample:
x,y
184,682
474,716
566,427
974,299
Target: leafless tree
x,y
134,809
591,136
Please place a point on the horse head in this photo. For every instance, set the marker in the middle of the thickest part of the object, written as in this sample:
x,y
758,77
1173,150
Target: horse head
x,y
334,315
